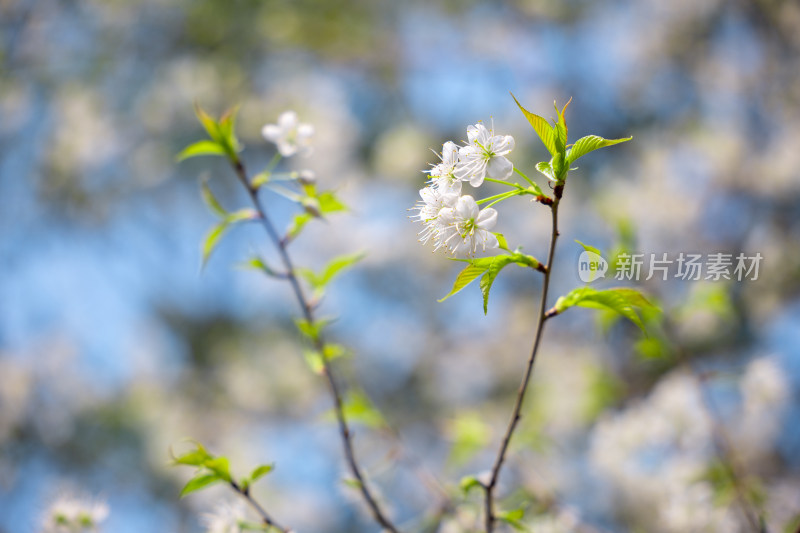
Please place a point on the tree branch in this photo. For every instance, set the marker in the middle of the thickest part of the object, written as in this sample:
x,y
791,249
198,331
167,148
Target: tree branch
x,y
319,344
490,486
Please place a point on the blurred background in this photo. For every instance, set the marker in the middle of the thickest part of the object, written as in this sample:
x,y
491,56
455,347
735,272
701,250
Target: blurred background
x,y
114,346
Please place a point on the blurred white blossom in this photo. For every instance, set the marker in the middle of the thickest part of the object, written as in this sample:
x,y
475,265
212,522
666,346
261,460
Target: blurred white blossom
x,y
73,514
226,517
290,135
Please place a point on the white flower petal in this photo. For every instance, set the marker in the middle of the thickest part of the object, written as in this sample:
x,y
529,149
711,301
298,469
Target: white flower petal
x,y
500,168
487,218
287,120
271,132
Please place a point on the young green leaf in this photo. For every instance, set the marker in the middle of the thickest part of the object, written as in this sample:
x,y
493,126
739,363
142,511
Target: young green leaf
x,y
465,277
468,483
561,129
257,263
540,126
501,241
220,467
590,143
489,276
299,222
589,248
261,471
513,518
212,240
211,201
196,457
330,203
210,125
333,268
358,408
198,482
200,148
624,301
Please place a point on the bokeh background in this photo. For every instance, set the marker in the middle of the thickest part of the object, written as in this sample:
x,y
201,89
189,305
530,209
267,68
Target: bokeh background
x,y
114,346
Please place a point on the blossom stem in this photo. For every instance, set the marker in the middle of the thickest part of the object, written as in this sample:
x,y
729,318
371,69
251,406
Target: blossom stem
x,y
525,177
319,344
504,197
506,183
491,485
501,196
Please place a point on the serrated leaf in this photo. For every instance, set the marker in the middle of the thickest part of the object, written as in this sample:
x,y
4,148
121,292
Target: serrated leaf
x,y
211,201
261,471
540,126
464,278
468,483
561,130
489,276
199,482
624,301
200,148
212,240
590,143
589,248
220,467
546,169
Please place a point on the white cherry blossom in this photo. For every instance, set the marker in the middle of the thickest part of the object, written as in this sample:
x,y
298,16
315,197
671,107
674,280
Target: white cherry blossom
x,y
434,199
464,227
484,154
290,135
444,173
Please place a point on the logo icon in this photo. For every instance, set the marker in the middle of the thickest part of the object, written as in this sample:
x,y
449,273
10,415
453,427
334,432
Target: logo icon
x,y
591,266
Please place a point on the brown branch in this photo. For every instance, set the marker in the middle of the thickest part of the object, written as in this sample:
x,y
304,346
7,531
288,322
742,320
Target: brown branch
x,y
266,519
490,486
319,344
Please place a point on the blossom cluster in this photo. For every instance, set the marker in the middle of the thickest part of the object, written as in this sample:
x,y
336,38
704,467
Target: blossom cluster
x,y
72,514
454,221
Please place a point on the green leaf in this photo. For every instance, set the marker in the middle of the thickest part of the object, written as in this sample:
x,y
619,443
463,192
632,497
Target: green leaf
x,y
464,278
261,471
624,301
590,143
309,329
220,467
334,267
561,129
491,273
513,518
358,408
793,525
257,263
330,203
196,457
211,201
501,241
589,248
198,482
226,126
200,148
545,168
212,240
210,125
468,483
298,223
540,126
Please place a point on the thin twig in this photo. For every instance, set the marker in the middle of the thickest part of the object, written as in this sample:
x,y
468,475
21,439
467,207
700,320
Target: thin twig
x,y
265,517
319,344
512,425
